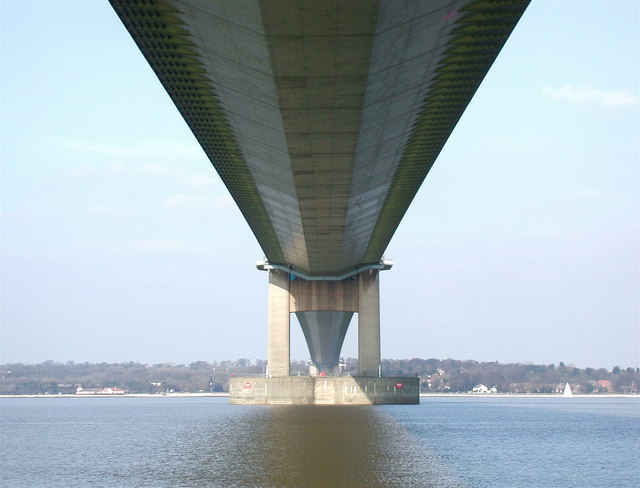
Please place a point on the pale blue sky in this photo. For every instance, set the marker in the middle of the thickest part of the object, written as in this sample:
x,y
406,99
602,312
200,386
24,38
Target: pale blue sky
x,y
120,243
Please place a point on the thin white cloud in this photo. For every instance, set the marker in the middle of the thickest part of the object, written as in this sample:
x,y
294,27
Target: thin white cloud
x,y
102,211
158,245
117,167
585,195
23,214
157,150
157,169
147,169
201,180
187,205
588,93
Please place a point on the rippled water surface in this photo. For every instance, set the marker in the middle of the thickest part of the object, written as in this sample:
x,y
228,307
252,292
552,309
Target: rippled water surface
x,y
203,442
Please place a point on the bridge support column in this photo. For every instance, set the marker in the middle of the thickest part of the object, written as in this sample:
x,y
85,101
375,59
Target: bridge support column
x,y
369,323
324,308
278,353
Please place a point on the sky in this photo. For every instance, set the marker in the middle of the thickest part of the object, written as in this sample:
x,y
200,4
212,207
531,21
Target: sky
x,y
120,243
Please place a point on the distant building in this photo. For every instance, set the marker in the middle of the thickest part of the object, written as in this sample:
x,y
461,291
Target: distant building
x,y
66,388
100,391
484,389
604,386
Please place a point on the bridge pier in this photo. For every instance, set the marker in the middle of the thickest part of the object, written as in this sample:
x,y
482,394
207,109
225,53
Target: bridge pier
x,y
369,323
324,308
279,336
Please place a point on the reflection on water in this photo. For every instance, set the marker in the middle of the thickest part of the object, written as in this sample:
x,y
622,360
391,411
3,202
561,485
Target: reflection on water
x,y
207,443
304,446
328,446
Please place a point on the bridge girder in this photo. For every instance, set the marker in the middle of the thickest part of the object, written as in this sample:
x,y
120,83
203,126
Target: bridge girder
x,y
322,118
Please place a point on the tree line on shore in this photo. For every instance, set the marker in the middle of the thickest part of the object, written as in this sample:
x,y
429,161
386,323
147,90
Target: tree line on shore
x,y
436,376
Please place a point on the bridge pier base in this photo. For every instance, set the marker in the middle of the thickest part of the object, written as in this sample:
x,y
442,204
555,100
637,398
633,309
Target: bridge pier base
x,y
309,390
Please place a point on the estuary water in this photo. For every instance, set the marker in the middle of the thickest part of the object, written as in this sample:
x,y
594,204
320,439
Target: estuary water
x,y
204,442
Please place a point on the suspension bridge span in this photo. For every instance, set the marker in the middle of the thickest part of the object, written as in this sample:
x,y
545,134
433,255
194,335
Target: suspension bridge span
x,y
322,118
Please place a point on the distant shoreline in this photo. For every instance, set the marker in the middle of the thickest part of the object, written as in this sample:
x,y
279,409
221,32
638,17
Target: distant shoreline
x,y
528,395
422,395
125,395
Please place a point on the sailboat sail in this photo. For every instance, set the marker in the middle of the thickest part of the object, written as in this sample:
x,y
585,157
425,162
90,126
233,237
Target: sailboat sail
x,y
567,391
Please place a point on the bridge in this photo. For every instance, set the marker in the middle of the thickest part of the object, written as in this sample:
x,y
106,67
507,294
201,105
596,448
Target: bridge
x,y
322,118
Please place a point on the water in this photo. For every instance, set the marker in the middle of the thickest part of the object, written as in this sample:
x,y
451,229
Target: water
x,y
203,442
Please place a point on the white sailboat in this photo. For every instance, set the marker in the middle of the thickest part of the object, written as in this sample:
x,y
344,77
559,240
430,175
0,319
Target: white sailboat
x,y
567,391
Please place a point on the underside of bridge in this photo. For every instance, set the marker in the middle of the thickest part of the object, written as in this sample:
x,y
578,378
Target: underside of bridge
x,y
322,118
